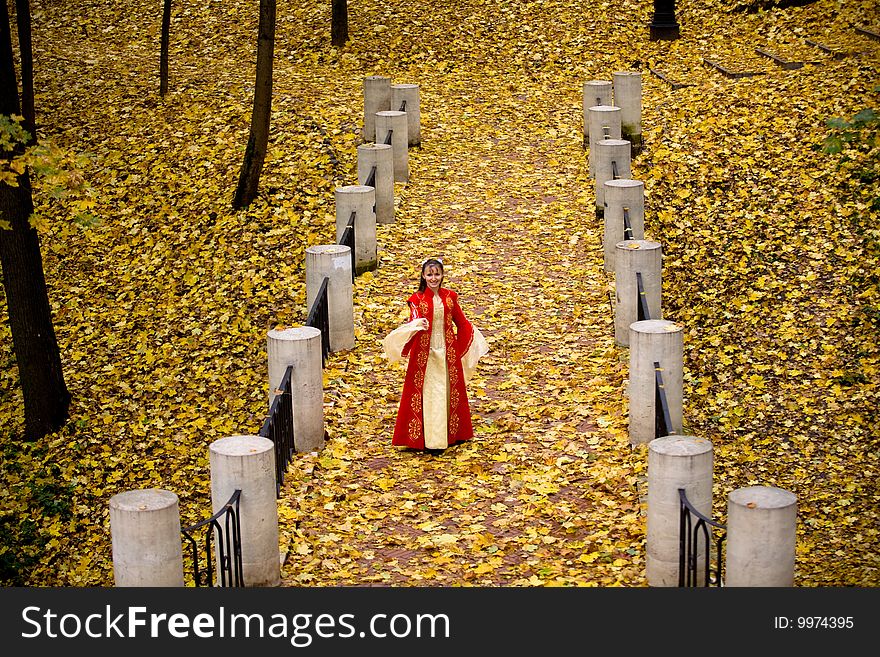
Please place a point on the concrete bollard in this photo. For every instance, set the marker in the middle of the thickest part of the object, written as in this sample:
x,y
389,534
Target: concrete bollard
x,y
628,97
377,98
361,200
636,257
610,154
409,93
247,463
761,537
654,341
379,156
395,122
333,261
675,462
596,92
145,533
622,195
604,124
301,348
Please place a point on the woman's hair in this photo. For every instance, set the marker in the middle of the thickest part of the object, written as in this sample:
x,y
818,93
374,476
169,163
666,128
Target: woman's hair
x,y
430,262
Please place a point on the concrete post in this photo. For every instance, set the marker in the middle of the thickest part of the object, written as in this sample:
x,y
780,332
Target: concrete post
x,y
145,533
300,347
604,124
360,199
247,463
333,261
596,92
409,93
377,98
622,194
610,152
650,341
761,537
675,462
628,97
636,257
396,122
379,156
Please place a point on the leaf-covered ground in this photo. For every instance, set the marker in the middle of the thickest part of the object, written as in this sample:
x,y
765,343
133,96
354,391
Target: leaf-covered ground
x,y
162,309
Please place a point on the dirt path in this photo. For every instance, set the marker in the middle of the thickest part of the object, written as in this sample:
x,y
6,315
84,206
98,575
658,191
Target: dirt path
x,y
546,492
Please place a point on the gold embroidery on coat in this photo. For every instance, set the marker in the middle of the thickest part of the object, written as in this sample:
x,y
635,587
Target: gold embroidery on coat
x,y
453,399
415,430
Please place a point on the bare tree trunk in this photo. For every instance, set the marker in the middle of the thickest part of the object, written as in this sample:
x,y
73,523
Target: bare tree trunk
x,y
255,153
46,398
339,23
163,57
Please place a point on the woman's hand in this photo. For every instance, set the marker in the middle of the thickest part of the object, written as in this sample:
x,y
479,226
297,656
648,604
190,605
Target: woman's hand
x,y
423,323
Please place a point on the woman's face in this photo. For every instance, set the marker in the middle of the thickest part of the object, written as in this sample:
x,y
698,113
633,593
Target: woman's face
x,y
433,277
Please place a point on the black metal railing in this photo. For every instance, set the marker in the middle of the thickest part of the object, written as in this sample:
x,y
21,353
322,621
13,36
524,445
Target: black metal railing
x,y
689,536
388,137
319,318
226,539
644,312
614,175
371,179
278,427
403,106
662,420
348,239
627,226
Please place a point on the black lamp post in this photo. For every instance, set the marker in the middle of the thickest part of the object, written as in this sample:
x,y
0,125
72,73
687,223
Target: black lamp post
x,y
663,24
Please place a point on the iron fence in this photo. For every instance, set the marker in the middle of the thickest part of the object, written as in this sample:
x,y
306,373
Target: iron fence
x,y
689,536
348,239
225,539
662,421
319,318
278,427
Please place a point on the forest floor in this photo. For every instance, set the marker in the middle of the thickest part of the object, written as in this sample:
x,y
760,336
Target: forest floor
x,y
162,307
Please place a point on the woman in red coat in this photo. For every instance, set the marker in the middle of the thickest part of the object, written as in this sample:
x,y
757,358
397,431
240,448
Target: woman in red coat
x,y
443,348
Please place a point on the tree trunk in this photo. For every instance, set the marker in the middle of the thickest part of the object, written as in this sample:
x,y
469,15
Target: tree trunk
x,y
163,56
46,399
23,14
339,23
255,153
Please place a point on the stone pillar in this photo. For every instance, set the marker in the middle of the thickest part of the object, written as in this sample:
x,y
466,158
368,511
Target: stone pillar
x,y
247,463
300,347
675,462
608,153
604,124
397,123
377,98
628,97
379,156
761,537
596,92
145,533
650,341
409,93
622,194
333,261
360,199
636,257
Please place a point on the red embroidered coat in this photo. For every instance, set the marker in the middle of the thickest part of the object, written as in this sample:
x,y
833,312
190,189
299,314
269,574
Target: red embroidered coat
x,y
459,333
